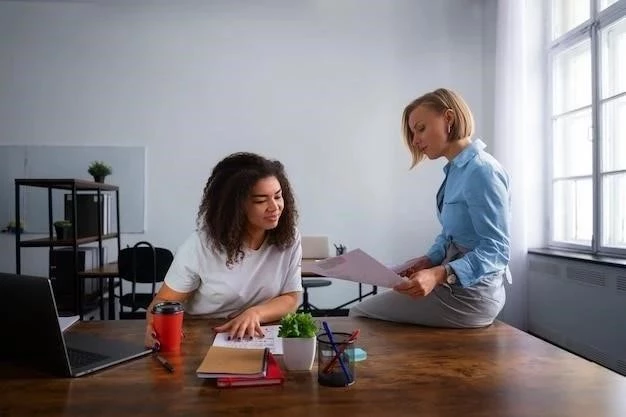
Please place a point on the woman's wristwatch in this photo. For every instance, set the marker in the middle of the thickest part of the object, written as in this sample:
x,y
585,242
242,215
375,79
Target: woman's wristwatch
x,y
450,274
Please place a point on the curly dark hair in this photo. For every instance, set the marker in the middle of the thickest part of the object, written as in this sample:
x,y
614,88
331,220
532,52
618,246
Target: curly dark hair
x,y
222,214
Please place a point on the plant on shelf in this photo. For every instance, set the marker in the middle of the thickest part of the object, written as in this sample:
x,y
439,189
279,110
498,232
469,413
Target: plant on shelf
x,y
298,331
63,229
99,170
12,227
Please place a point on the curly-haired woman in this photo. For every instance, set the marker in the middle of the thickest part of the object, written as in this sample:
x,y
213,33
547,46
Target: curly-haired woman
x,y
243,262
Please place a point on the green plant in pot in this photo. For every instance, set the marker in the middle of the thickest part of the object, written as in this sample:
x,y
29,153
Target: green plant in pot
x,y
63,229
13,227
298,331
99,170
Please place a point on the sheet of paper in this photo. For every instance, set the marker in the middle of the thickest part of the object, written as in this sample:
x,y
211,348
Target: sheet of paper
x,y
65,322
404,266
356,266
271,341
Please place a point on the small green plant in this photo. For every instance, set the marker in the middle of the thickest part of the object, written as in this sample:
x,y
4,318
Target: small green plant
x,y
12,227
297,325
63,229
99,169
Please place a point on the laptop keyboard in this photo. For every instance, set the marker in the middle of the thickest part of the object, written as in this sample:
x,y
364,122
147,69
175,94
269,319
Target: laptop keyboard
x,y
80,358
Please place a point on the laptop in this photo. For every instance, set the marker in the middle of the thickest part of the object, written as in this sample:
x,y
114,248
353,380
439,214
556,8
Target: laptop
x,y
31,333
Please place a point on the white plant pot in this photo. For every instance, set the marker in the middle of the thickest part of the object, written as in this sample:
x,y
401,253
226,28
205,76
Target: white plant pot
x,y
299,353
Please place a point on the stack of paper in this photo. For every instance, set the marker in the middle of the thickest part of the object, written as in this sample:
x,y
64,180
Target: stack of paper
x,y
66,322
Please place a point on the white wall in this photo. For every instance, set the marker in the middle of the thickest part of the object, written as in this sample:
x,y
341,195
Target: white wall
x,y
318,84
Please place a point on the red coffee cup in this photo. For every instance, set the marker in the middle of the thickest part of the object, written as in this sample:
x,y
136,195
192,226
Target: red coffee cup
x,y
168,325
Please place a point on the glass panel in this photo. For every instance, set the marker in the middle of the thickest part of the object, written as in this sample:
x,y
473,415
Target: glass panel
x,y
606,3
614,135
572,145
614,58
567,14
571,78
614,212
572,217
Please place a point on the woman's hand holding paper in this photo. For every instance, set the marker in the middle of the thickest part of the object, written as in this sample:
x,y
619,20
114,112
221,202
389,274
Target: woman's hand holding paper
x,y
422,282
414,265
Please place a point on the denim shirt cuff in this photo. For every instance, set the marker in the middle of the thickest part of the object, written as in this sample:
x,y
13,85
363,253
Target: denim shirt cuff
x,y
463,271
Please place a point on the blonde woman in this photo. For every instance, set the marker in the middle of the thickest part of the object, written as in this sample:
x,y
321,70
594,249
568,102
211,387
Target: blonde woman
x,y
459,282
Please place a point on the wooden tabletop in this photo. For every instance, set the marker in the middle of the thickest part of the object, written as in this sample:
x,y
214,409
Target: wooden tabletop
x,y
410,371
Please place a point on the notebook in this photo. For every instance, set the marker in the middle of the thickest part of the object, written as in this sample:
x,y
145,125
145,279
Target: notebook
x,y
29,321
222,362
274,377
269,340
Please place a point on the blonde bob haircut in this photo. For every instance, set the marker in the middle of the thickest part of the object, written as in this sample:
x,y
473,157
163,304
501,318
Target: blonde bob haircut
x,y
439,101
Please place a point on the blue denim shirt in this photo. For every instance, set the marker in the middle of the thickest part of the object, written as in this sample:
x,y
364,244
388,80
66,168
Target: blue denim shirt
x,y
475,215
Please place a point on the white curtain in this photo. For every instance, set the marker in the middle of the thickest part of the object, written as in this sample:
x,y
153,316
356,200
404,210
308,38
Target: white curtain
x,y
518,137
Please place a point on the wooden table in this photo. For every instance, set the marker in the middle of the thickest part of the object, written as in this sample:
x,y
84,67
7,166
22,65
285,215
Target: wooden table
x,y
410,371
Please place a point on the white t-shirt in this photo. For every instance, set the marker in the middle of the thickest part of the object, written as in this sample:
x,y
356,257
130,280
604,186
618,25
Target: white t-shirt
x,y
221,291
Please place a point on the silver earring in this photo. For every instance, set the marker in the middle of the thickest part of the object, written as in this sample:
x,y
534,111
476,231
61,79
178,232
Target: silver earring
x,y
449,129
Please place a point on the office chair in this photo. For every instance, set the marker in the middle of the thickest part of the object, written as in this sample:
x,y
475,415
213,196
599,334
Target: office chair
x,y
141,264
307,283
313,247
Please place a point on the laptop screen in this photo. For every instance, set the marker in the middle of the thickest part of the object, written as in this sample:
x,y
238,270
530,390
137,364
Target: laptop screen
x,y
29,316
28,312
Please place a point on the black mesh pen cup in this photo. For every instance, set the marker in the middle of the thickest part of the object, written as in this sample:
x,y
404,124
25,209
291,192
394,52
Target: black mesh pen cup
x,y
335,368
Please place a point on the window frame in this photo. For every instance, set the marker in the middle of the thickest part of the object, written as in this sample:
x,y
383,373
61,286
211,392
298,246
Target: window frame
x,y
587,30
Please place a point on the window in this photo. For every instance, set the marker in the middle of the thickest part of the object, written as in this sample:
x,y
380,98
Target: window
x,y
606,3
567,14
587,56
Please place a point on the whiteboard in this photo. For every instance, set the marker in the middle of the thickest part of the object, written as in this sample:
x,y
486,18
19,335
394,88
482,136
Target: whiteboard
x,y
40,161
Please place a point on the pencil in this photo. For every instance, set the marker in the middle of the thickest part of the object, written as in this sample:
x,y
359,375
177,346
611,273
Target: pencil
x,y
164,363
345,345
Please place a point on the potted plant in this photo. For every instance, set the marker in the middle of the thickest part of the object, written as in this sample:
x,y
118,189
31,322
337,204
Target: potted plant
x,y
13,227
99,170
63,229
298,331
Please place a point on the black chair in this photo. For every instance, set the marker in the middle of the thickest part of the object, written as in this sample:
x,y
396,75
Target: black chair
x,y
313,248
306,305
141,264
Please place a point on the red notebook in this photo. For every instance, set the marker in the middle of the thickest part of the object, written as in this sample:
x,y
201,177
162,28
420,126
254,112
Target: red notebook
x,y
274,376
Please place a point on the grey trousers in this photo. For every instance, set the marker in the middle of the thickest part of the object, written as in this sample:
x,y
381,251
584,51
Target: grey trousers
x,y
446,306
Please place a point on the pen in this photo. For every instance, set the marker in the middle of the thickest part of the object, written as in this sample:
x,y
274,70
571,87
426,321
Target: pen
x,y
334,346
164,362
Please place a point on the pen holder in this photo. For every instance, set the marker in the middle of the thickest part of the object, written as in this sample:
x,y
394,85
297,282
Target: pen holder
x,y
168,325
330,373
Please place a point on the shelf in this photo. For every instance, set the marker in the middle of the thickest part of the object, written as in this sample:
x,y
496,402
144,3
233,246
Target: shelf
x,y
66,184
107,270
42,242
71,284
